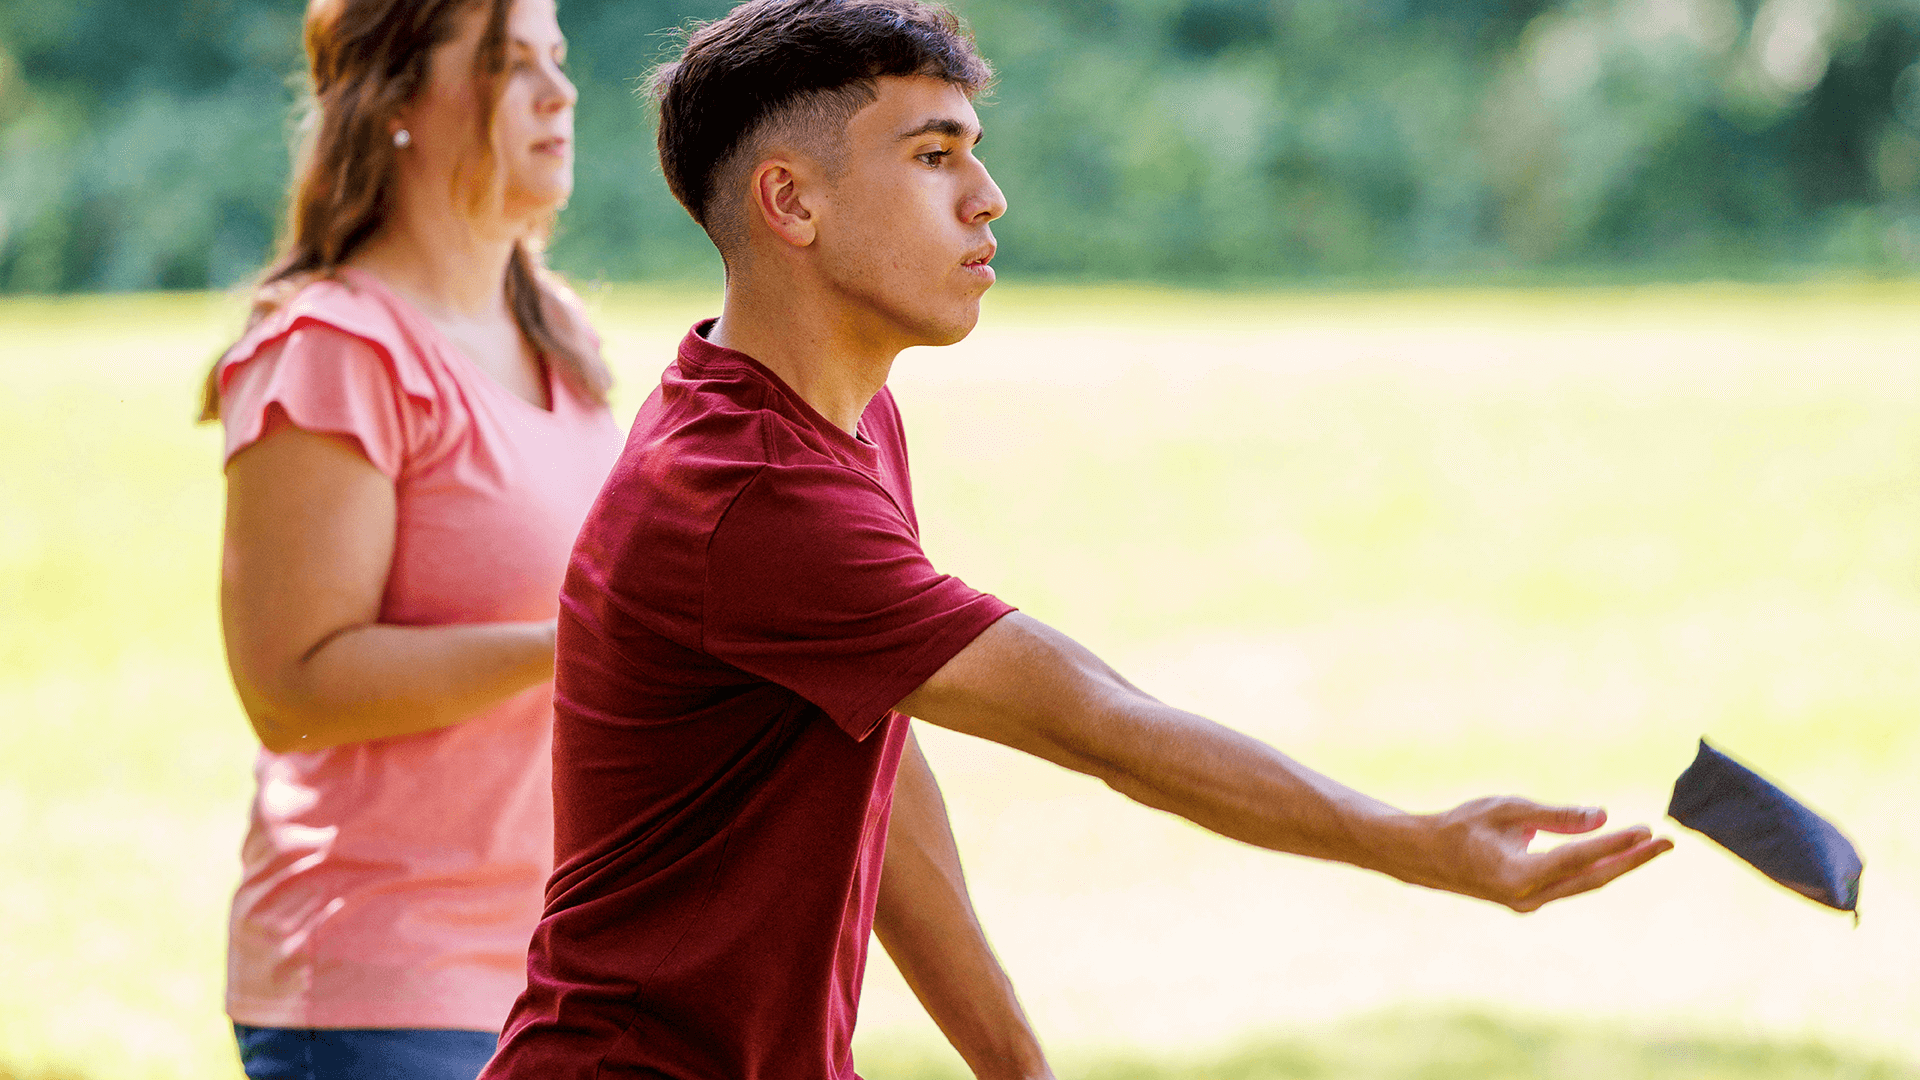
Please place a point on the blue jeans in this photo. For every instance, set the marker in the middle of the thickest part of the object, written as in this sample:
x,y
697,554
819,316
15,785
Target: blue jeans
x,y
362,1053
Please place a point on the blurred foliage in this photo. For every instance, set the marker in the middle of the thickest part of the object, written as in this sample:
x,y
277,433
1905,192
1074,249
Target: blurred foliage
x,y
142,142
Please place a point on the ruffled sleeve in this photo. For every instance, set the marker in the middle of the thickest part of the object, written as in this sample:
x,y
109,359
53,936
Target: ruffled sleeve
x,y
332,362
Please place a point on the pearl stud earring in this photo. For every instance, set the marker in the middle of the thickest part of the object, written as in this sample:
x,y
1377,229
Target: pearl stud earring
x,y
403,138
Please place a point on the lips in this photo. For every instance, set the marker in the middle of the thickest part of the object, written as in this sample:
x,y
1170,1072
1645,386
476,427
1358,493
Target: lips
x,y
979,257
555,145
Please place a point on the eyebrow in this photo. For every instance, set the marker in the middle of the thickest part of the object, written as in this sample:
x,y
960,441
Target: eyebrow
x,y
947,126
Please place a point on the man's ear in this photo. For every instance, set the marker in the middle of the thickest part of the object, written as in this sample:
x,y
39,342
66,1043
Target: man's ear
x,y
776,192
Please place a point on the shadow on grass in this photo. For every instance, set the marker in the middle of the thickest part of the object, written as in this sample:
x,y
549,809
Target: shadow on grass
x,y
1470,1046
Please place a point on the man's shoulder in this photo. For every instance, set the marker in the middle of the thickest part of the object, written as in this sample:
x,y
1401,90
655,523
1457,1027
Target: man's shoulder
x,y
700,455
698,442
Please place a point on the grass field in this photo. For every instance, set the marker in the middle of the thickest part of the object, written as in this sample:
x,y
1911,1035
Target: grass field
x,y
1436,543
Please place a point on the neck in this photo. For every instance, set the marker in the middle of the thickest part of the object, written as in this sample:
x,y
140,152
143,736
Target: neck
x,y
446,263
834,356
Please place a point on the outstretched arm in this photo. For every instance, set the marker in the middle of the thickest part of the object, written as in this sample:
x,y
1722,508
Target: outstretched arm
x,y
1023,684
926,922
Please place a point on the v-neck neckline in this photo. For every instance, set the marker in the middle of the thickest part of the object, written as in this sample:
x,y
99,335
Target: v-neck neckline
x,y
447,345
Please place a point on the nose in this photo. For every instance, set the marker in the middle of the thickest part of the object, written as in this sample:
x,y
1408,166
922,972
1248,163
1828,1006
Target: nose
x,y
559,92
985,202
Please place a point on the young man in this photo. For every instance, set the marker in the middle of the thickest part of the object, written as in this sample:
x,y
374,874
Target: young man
x,y
749,620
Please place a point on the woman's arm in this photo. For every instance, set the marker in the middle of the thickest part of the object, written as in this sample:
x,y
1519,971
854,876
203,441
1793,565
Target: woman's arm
x,y
309,538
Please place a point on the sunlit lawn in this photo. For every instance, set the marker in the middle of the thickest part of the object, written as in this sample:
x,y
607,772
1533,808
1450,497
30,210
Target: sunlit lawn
x,y
1438,544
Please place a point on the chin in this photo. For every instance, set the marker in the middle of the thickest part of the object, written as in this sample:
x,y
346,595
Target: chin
x,y
544,189
537,203
952,330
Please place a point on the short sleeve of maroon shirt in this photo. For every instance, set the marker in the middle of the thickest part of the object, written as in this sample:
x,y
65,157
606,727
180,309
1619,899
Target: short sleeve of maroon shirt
x,y
746,603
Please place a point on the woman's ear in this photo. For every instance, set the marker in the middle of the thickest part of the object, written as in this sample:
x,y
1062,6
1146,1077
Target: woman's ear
x,y
400,129
778,198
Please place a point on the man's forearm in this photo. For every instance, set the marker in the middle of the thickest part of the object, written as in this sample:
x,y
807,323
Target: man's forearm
x,y
927,924
1030,687
1080,713
1242,788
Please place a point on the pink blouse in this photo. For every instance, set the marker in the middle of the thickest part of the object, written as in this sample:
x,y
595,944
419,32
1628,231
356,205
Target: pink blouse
x,y
394,883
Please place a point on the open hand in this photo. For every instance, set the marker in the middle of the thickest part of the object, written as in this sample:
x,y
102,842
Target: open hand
x,y
1479,849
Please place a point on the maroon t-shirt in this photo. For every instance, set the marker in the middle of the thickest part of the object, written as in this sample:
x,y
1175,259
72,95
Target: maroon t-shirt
x,y
745,605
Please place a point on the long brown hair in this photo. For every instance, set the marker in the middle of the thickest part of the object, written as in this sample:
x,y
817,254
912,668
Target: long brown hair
x,y
366,59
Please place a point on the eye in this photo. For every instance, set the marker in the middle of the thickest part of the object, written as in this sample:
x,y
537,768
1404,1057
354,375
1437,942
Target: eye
x,y
933,158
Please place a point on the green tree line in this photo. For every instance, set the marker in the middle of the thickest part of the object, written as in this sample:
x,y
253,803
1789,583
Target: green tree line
x,y
143,143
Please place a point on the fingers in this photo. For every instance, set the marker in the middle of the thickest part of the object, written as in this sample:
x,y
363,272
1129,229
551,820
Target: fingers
x,y
1572,858
1559,819
1525,882
1641,849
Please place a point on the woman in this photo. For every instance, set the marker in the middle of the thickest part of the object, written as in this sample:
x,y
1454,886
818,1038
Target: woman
x,y
415,425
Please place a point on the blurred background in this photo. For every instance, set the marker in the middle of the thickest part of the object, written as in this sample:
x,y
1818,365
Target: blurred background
x,y
142,142
1467,398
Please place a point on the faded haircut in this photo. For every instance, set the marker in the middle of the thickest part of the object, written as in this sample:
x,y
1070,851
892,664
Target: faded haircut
x,y
799,68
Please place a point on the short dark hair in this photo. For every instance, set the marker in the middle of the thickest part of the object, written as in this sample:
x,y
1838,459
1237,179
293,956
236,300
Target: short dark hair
x,y
768,60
